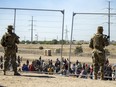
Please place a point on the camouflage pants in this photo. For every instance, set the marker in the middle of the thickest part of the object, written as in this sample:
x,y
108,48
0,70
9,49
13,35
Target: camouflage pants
x,y
10,56
98,58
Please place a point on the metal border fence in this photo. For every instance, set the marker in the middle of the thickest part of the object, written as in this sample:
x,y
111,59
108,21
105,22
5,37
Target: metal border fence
x,y
71,37
49,10
109,14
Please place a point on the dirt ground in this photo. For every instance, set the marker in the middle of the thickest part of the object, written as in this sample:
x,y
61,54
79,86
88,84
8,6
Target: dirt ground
x,y
44,80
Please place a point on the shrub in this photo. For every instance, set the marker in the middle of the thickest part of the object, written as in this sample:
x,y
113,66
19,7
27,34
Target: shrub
x,y
78,50
41,48
58,50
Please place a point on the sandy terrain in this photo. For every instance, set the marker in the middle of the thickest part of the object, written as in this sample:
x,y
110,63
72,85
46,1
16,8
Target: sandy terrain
x,y
42,80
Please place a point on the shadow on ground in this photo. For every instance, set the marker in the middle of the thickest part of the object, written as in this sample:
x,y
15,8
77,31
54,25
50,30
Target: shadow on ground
x,y
38,76
2,86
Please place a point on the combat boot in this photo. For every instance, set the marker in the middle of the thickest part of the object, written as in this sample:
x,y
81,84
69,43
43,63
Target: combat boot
x,y
17,74
4,72
95,76
102,76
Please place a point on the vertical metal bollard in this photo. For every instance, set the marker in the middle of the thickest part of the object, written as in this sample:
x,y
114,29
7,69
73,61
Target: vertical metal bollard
x,y
114,74
93,76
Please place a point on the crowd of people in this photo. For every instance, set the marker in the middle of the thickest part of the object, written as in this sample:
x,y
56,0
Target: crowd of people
x,y
64,67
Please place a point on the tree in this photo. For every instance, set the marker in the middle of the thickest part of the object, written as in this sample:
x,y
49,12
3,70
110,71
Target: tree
x,y
54,41
60,42
22,42
28,42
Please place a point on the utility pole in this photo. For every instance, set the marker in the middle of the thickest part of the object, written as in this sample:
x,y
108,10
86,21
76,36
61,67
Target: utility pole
x,y
14,19
109,19
32,30
66,34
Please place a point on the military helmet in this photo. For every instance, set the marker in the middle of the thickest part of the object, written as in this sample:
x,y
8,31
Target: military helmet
x,y
10,27
99,29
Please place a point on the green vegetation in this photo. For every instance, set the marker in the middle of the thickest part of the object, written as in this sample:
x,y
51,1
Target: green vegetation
x,y
78,50
54,41
41,48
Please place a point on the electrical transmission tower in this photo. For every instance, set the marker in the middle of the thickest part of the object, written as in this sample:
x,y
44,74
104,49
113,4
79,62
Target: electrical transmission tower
x,y
32,29
66,34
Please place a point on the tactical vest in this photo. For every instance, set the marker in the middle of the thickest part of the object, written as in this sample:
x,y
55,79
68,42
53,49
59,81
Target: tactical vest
x,y
98,42
10,39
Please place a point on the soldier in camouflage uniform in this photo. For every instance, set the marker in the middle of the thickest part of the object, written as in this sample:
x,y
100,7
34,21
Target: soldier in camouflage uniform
x,y
98,43
9,41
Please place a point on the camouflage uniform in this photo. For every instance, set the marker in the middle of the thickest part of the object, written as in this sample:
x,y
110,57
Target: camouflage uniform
x,y
97,43
9,41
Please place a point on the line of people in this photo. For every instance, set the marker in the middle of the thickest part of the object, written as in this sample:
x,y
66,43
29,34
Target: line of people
x,y
64,67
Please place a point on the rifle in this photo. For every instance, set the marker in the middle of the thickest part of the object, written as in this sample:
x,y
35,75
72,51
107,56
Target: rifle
x,y
106,39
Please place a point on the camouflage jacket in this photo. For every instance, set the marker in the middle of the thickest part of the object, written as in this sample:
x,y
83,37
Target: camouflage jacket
x,y
98,41
9,40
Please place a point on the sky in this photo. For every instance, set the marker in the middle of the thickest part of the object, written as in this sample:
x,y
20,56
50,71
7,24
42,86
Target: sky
x,y
48,25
